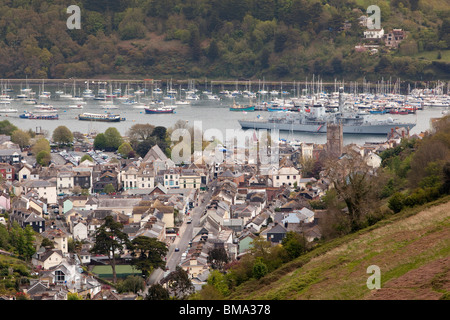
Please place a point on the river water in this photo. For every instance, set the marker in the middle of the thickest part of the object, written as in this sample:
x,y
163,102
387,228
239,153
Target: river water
x,y
203,113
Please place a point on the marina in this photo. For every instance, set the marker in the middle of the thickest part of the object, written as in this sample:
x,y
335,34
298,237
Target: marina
x,y
222,107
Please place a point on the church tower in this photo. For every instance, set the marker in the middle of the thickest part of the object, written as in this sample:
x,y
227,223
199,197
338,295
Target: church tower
x,y
335,140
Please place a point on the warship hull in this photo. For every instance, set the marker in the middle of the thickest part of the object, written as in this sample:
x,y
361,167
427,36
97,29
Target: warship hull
x,y
321,127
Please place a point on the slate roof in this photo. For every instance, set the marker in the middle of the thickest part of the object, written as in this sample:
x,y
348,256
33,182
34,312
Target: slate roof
x,y
277,229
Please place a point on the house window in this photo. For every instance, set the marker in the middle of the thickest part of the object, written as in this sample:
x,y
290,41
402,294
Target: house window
x,y
288,177
60,277
278,177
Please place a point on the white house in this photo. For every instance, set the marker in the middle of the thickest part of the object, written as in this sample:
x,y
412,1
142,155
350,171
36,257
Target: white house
x,y
45,189
65,182
128,176
59,238
307,150
374,33
172,178
80,231
373,160
286,176
190,179
27,173
145,178
47,259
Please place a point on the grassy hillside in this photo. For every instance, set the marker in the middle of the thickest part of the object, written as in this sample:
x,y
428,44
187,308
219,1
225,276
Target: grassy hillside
x,y
412,250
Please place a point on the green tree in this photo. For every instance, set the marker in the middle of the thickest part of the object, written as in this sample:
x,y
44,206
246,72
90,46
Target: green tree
x,y
46,242
294,244
74,296
41,145
125,149
352,181
29,248
22,138
396,202
144,146
113,139
139,132
264,58
157,292
179,284
148,254
194,43
86,157
213,50
259,269
62,135
110,240
4,237
100,142
109,188
219,281
23,240
160,133
217,258
279,41
43,158
7,127
132,25
131,284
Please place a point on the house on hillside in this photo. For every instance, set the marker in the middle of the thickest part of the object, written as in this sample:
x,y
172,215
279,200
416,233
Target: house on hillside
x,y
286,176
101,178
59,238
44,189
276,234
25,217
7,171
10,156
245,241
394,37
47,258
374,33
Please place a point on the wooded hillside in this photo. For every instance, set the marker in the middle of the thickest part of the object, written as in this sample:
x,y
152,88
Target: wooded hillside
x,y
278,39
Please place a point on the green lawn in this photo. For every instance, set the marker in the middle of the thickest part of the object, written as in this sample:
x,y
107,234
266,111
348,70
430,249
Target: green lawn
x,y
432,55
122,271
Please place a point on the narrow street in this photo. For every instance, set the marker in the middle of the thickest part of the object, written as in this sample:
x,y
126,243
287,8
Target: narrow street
x,y
185,235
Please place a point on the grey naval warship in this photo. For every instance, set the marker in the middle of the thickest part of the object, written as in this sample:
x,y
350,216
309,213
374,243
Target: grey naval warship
x,y
317,119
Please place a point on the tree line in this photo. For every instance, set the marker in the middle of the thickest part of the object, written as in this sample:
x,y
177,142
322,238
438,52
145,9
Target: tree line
x,y
198,38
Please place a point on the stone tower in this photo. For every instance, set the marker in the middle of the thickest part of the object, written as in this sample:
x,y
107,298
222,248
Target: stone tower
x,y
335,140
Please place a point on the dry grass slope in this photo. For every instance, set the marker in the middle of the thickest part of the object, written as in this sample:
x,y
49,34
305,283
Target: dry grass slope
x,y
412,253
